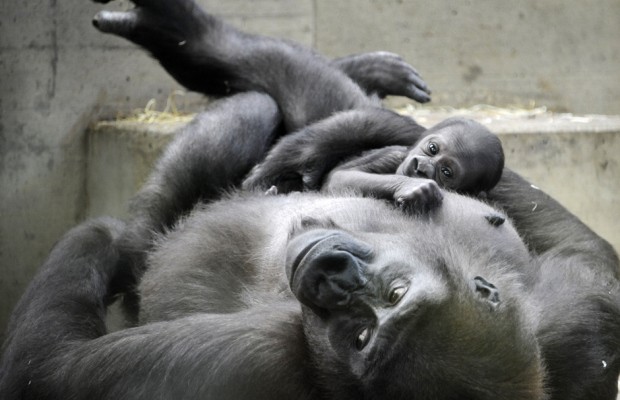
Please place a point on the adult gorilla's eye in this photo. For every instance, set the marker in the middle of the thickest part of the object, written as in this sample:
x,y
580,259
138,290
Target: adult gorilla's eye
x,y
363,337
433,148
447,172
396,294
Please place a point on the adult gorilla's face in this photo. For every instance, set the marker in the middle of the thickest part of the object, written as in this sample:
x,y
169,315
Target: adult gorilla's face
x,y
420,304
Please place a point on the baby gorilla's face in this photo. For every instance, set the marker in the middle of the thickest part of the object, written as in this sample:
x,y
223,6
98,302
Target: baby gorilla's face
x,y
458,154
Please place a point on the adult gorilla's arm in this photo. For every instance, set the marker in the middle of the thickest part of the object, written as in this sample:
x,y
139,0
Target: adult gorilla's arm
x,y
66,300
207,55
57,347
208,156
545,225
576,291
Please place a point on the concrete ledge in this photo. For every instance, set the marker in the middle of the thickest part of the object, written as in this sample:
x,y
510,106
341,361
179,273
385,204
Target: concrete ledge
x,y
576,159
120,157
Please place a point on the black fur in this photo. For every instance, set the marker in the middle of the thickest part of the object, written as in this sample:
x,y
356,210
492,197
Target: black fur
x,y
310,296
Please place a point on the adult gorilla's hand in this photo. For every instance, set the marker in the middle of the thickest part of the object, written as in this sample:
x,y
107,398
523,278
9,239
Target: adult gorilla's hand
x,y
384,73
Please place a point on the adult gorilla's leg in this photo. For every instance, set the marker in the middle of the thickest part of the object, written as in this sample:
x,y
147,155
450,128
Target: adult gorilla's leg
x,y
66,300
207,55
546,226
577,292
208,156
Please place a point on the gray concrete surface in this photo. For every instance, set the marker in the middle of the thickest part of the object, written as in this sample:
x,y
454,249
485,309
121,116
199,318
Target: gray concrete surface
x,y
57,75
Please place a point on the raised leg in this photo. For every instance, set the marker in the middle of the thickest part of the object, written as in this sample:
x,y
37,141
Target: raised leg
x,y
206,55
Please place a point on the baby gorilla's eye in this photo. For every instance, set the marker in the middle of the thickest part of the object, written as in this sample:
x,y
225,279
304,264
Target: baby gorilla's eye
x,y
396,294
447,172
433,148
363,337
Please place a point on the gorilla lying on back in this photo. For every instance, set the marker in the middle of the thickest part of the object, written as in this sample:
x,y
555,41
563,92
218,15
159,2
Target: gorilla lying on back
x,y
309,296
299,296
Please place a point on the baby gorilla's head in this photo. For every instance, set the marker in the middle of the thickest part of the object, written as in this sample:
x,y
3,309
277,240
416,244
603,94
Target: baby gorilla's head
x,y
459,154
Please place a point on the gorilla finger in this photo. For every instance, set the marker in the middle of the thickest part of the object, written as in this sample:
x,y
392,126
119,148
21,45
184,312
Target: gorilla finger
x,y
410,206
419,83
311,180
388,55
272,191
121,23
418,95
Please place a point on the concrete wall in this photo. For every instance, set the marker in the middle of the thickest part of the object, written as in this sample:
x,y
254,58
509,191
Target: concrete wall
x,y
57,74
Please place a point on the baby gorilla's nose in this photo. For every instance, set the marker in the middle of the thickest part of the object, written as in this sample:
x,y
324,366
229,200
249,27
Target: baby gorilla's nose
x,y
414,164
423,168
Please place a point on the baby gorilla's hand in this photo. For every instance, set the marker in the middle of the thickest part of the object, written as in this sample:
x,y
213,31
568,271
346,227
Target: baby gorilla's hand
x,y
417,196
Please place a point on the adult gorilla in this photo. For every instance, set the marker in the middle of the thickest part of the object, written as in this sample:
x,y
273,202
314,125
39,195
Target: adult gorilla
x,y
311,296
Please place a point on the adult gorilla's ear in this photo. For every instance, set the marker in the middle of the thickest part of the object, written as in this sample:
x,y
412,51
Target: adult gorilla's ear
x,y
495,219
487,291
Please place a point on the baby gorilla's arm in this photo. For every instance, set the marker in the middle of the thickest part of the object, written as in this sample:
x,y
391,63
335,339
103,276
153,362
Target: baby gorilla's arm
x,y
372,174
378,161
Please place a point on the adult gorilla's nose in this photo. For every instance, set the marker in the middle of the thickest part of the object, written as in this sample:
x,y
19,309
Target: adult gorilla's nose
x,y
300,246
325,267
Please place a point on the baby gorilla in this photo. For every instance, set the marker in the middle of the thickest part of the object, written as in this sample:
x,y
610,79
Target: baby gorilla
x,y
458,154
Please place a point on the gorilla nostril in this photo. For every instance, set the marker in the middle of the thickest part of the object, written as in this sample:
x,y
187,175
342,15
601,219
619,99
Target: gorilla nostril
x,y
417,168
